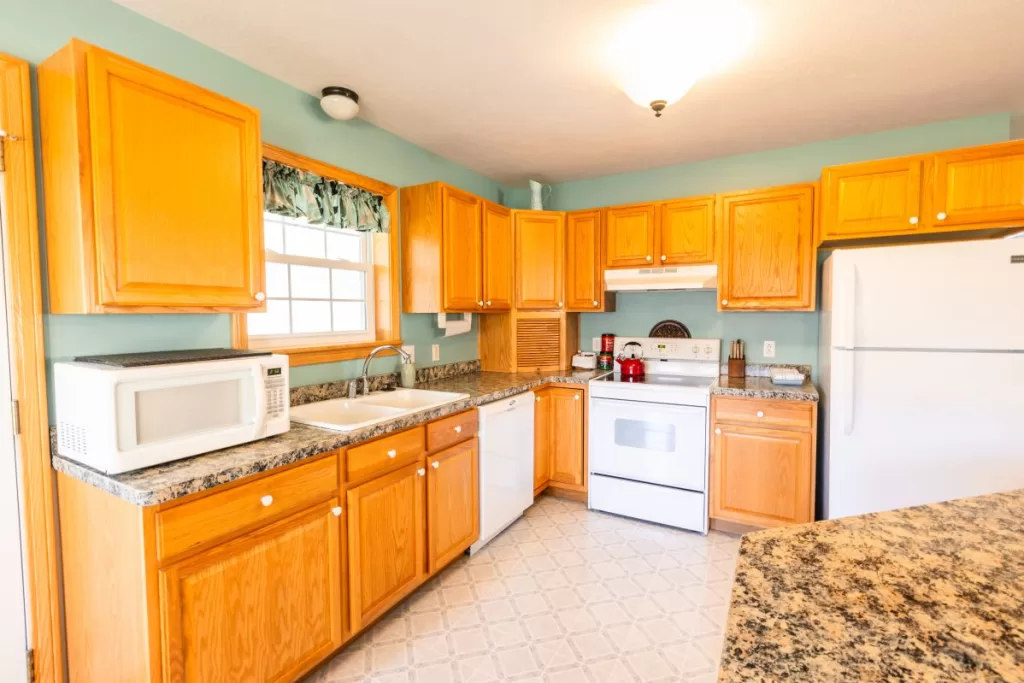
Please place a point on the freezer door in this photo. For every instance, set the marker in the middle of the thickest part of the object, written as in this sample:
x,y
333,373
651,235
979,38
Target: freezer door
x,y
906,429
957,295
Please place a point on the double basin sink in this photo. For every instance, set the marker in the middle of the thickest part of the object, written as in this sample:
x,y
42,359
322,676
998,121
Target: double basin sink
x,y
347,414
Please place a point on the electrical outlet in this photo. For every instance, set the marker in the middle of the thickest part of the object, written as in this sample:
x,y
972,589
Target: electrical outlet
x,y
411,350
435,352
595,344
769,349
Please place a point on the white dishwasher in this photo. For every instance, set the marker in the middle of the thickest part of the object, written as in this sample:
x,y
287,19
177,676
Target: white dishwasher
x,y
506,464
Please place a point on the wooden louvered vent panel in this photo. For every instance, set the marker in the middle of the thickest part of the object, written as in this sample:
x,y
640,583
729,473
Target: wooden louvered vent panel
x,y
538,343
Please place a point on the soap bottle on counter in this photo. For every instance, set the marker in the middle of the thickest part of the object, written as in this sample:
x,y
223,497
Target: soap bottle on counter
x,y
408,373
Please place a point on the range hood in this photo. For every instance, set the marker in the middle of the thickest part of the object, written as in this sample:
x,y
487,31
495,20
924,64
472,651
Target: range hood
x,y
661,279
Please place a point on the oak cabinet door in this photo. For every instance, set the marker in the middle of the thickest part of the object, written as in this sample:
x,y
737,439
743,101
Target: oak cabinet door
x,y
540,259
177,190
980,187
767,255
264,607
461,238
566,435
584,282
630,235
762,476
453,503
386,542
871,199
497,246
542,429
687,232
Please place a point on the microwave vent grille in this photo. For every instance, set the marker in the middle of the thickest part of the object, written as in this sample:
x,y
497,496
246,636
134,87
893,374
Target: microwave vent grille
x,y
71,439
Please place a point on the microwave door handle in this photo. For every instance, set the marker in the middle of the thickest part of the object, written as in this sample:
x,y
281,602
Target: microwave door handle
x,y
260,423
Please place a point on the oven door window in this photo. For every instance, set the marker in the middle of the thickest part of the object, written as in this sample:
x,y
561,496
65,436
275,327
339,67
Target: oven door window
x,y
177,408
650,442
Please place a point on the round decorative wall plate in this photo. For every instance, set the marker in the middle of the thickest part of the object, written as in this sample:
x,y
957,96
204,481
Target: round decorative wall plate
x,y
671,329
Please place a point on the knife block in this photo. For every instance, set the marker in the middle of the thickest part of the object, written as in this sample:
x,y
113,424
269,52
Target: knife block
x,y
737,367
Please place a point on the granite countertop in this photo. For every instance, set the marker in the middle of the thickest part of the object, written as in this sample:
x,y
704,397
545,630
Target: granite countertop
x,y
762,387
929,593
162,483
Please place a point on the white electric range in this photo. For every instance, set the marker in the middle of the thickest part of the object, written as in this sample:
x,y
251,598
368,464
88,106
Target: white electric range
x,y
649,435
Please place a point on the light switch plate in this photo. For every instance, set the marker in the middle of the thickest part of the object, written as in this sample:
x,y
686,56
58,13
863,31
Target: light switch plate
x,y
595,344
411,350
769,349
435,352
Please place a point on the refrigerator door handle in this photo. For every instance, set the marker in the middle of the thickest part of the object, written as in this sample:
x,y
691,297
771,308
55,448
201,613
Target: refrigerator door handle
x,y
848,330
849,381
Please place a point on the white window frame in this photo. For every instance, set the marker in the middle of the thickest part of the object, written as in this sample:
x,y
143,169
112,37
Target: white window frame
x,y
320,339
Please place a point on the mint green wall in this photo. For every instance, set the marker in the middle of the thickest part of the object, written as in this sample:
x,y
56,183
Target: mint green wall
x,y
34,29
795,334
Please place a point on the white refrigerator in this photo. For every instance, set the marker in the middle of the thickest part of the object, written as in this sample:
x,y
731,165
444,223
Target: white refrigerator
x,y
921,365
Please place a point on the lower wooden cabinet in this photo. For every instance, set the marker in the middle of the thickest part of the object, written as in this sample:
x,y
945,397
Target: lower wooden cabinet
x,y
453,503
226,617
559,432
386,542
762,474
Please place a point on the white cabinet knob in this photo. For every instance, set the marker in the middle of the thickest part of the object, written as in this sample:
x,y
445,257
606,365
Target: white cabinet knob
x,y
488,302
435,464
479,303
596,304
664,258
913,220
650,258
538,399
760,413
941,216
725,302
718,431
576,397
458,429
559,304
421,471
260,296
267,500
336,511
392,453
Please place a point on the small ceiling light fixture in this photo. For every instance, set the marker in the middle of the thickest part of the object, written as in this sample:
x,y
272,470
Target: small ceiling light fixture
x,y
339,103
659,52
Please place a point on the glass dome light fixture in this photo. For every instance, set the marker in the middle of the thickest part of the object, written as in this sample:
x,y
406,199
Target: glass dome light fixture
x,y
339,103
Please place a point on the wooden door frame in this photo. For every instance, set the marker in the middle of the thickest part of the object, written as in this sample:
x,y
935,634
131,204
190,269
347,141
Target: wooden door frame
x,y
25,313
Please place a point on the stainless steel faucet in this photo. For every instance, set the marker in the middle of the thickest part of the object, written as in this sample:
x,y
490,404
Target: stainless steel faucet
x,y
353,388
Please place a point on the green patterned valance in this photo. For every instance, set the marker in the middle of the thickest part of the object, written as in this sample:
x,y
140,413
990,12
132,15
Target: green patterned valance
x,y
291,192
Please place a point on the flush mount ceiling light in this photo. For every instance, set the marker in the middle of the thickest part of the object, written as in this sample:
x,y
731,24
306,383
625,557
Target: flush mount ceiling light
x,y
660,50
339,103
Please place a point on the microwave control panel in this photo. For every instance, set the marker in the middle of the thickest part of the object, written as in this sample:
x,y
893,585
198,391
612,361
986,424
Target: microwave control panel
x,y
277,392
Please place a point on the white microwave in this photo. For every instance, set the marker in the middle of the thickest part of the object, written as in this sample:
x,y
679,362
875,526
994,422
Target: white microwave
x,y
116,418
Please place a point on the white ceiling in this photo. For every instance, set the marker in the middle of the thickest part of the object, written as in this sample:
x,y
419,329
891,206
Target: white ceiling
x,y
518,90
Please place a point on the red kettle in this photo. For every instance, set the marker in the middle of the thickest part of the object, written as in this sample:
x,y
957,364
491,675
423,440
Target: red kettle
x,y
631,367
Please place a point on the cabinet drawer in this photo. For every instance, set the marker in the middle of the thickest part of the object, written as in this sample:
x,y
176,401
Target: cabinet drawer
x,y
451,430
759,412
383,455
221,515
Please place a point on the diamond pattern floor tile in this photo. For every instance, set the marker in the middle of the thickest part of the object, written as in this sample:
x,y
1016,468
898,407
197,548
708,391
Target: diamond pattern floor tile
x,y
563,595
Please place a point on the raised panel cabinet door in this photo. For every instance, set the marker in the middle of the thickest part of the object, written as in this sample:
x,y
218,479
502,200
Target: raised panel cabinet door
x,y
584,285
566,435
767,253
540,260
453,503
177,188
463,251
497,240
762,476
871,199
387,553
630,235
542,431
979,187
263,607
687,232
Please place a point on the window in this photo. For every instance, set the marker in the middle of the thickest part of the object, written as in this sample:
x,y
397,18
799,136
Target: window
x,y
319,286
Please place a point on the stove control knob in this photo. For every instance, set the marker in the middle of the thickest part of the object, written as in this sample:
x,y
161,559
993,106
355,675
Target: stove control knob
x,y
695,349
707,350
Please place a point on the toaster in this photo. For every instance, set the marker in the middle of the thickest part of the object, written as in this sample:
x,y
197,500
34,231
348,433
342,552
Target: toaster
x,y
584,360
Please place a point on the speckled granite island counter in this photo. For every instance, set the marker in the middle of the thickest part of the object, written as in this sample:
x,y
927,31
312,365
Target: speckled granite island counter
x,y
155,485
930,593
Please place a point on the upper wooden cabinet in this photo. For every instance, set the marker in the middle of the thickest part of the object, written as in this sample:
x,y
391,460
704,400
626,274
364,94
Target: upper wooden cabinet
x,y
686,232
584,265
872,198
630,235
766,258
540,259
463,249
979,187
153,189
498,281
